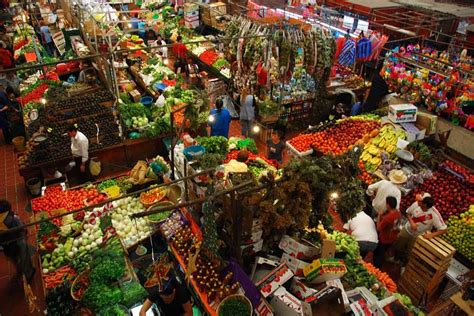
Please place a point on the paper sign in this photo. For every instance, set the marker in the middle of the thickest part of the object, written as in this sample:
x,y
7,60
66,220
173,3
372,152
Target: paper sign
x,y
30,57
363,26
348,22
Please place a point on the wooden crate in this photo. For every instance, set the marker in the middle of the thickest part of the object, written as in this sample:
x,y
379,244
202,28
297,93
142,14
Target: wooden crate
x,y
426,268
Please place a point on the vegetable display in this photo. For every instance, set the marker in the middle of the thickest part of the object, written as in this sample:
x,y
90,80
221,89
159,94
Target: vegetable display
x,y
214,144
130,231
233,307
381,276
59,301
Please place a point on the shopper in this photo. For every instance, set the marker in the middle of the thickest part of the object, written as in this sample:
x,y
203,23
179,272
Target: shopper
x,y
238,165
379,191
179,51
161,100
14,244
47,38
6,57
11,80
172,299
387,228
219,120
247,112
192,72
80,153
163,51
362,228
4,107
275,146
422,217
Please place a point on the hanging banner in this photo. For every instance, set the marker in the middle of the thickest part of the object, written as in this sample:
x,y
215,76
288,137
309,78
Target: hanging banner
x,y
348,22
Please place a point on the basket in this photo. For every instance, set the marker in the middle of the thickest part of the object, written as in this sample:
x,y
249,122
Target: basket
x,y
156,198
84,275
237,297
157,206
269,119
193,152
174,193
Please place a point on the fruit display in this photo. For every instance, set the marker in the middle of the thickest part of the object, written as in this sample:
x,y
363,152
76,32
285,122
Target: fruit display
x,y
460,233
384,142
339,138
96,121
452,195
207,274
464,173
364,175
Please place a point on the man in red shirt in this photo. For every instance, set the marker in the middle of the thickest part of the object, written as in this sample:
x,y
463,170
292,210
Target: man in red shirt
x,y
179,51
387,229
6,58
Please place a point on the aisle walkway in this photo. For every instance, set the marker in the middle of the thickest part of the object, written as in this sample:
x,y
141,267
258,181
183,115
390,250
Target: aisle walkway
x,y
13,189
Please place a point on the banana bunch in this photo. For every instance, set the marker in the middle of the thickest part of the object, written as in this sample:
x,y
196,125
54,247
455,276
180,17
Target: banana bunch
x,y
386,141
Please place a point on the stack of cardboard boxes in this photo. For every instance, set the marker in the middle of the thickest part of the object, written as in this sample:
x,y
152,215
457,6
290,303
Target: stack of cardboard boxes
x,y
191,15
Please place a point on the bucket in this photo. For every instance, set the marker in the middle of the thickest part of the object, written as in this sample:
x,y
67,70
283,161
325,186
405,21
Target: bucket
x,y
146,101
34,186
19,143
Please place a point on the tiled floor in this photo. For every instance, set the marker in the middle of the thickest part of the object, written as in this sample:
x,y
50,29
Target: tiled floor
x,y
12,188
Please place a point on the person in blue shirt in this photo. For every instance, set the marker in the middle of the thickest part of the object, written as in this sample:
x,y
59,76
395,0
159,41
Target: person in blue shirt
x,y
220,120
47,38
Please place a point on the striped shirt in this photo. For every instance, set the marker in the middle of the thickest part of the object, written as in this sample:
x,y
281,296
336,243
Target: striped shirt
x,y
364,48
347,56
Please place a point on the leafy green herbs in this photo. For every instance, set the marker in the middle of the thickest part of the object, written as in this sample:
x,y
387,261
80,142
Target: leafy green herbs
x,y
210,160
234,307
132,292
214,144
98,296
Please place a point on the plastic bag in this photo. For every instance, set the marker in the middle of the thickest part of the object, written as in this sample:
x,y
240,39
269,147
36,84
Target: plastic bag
x,y
95,167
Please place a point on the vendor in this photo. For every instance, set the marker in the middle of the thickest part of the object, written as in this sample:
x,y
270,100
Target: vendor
x,y
275,146
422,217
239,165
379,191
173,299
80,152
161,100
362,228
14,244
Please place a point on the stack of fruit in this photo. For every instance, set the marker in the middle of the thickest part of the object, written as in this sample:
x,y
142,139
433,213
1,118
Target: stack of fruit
x,y
452,195
338,138
386,141
461,233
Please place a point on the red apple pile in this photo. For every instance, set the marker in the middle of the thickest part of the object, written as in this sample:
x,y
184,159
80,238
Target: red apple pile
x,y
467,174
452,195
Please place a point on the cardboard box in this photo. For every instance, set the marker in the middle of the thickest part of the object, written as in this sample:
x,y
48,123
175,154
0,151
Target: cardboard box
x,y
361,294
298,249
193,24
136,95
322,270
328,248
284,303
427,121
273,280
413,132
301,290
218,8
337,283
252,248
294,264
402,113
263,308
262,267
254,237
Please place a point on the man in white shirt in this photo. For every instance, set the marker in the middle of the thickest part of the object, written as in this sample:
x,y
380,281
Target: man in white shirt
x,y
422,218
383,189
80,150
362,228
